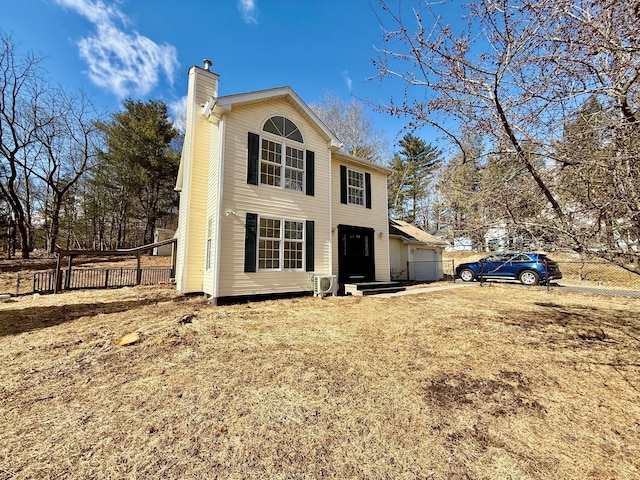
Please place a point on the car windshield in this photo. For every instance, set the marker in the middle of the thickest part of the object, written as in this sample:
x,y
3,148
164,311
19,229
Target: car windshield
x,y
494,258
506,257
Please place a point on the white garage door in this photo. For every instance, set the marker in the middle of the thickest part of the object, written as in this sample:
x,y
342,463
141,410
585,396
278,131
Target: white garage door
x,y
426,265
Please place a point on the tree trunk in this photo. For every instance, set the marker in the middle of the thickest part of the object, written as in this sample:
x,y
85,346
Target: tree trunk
x,y
55,222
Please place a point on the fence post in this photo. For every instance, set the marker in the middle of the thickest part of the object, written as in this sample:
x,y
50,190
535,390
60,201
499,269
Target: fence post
x,y
58,278
67,282
139,270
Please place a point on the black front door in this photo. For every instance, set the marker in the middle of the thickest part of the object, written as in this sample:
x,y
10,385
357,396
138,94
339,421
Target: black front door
x,y
356,260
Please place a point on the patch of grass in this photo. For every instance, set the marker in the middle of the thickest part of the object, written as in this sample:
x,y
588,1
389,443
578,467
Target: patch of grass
x,y
495,382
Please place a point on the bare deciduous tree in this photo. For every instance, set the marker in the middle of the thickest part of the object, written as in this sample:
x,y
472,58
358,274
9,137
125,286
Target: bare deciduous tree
x,y
514,72
68,148
20,89
351,125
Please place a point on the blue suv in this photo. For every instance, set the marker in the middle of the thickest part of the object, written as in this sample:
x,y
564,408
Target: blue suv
x,y
528,268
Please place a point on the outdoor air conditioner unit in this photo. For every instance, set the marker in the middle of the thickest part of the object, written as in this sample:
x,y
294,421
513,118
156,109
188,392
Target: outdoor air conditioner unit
x,y
324,285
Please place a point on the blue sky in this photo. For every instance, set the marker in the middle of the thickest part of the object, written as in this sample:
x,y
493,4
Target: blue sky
x,y
142,49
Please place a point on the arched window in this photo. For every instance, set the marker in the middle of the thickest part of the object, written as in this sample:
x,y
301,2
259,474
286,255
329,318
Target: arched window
x,y
282,163
283,127
278,158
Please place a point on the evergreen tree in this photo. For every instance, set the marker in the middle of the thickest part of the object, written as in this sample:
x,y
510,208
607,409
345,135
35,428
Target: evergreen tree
x,y
413,168
134,186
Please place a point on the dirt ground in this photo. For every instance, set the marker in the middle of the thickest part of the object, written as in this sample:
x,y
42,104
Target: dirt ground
x,y
16,275
491,382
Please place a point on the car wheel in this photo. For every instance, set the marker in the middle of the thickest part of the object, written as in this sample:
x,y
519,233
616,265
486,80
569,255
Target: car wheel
x,y
467,275
529,277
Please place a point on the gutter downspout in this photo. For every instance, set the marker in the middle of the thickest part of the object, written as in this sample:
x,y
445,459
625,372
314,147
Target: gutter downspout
x,y
386,227
330,209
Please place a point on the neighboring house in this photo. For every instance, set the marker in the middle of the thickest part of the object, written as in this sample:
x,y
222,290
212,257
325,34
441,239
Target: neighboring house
x,y
160,235
500,238
414,254
462,244
268,199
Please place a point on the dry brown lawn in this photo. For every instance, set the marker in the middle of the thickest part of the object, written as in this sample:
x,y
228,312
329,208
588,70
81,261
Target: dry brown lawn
x,y
493,382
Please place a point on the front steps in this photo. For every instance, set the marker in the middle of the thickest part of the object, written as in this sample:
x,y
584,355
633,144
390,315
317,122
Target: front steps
x,y
372,288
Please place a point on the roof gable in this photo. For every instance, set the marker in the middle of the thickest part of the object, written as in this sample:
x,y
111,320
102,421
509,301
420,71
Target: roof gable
x,y
360,162
228,102
413,234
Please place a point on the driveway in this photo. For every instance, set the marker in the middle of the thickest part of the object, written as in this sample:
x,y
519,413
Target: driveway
x,y
415,291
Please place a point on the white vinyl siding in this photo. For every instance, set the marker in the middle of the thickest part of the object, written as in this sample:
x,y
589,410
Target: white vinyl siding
x,y
210,247
398,257
194,197
242,198
375,217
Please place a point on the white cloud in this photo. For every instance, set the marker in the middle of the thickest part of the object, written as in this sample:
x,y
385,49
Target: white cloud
x,y
249,10
178,113
347,79
124,63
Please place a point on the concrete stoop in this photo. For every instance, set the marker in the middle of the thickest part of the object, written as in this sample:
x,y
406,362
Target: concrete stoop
x,y
372,288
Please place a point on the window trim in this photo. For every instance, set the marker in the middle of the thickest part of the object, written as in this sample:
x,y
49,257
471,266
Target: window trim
x,y
281,247
362,190
286,135
208,260
344,186
287,139
284,168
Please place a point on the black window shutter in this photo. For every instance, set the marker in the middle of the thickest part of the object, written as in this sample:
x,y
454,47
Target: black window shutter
x,y
311,157
367,189
309,245
252,160
343,184
250,242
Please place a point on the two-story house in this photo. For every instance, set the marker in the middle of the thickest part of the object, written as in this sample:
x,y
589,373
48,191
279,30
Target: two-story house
x,y
268,199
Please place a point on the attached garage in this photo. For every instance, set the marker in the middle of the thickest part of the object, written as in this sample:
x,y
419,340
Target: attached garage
x,y
414,254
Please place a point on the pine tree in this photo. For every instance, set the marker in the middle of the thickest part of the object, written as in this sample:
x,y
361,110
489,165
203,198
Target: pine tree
x,y
137,176
413,168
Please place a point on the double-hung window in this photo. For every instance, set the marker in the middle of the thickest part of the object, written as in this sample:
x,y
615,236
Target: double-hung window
x,y
269,244
280,244
355,187
271,163
294,169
